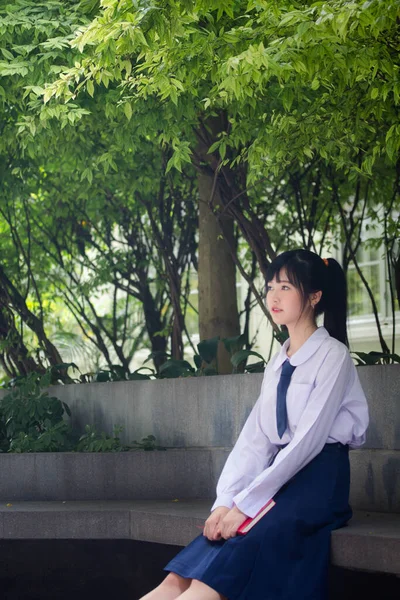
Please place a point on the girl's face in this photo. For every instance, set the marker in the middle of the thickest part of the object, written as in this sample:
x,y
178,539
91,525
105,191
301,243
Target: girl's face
x,y
283,300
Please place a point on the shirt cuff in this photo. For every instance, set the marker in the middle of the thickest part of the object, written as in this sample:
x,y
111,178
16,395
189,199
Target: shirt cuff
x,y
223,500
247,505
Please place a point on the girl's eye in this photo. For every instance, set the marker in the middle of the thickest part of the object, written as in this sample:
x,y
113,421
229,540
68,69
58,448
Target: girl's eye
x,y
284,286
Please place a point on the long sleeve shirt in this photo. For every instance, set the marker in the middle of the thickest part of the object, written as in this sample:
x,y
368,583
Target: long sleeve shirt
x,y
325,404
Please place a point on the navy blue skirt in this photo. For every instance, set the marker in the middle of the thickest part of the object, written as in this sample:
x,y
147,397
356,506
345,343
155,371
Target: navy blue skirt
x,y
286,555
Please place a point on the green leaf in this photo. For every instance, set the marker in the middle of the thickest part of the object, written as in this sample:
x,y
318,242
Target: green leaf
x,y
7,54
175,368
128,110
242,355
90,87
208,349
315,83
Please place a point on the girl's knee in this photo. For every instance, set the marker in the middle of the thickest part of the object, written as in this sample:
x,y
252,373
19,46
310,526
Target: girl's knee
x,y
206,590
176,582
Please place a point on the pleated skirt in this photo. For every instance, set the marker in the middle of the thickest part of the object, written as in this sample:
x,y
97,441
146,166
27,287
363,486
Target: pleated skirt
x,y
286,555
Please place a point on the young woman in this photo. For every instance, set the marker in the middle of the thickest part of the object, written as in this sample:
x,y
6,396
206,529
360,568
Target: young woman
x,y
293,448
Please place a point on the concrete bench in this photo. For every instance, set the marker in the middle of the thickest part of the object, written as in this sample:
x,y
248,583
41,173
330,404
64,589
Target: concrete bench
x,y
131,495
146,496
371,541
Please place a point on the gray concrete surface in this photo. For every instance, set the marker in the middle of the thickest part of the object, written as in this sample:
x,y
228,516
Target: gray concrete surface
x,y
174,473
370,542
375,480
190,473
210,411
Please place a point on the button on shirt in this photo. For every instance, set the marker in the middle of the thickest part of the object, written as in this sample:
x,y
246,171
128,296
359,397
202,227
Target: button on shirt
x,y
325,404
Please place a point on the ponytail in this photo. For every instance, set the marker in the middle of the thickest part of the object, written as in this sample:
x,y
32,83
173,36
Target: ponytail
x,y
334,301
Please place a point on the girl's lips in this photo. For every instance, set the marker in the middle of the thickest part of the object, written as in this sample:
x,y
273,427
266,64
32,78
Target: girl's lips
x,y
276,310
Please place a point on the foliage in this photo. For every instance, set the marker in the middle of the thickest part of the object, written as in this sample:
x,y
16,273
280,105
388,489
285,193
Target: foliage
x,y
375,358
54,374
117,373
108,101
32,420
298,79
206,362
56,438
92,441
275,90
98,233
99,240
30,410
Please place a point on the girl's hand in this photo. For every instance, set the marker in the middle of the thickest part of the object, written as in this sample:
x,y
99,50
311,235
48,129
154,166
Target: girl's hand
x,y
211,526
232,520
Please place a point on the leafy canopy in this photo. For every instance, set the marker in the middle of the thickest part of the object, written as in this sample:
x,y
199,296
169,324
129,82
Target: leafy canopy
x,y
297,79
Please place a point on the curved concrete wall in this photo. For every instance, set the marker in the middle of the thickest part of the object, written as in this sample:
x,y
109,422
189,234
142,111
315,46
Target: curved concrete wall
x,y
201,418
210,411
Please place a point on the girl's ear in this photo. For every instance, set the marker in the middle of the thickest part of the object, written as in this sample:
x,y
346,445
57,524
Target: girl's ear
x,y
315,297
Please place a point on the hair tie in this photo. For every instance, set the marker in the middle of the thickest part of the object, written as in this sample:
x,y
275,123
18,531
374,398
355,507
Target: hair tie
x,y
326,261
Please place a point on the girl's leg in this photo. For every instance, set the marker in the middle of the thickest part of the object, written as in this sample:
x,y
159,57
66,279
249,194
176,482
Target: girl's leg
x,y
201,591
172,587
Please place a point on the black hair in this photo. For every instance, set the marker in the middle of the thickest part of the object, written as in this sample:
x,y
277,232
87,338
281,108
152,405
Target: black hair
x,y
309,273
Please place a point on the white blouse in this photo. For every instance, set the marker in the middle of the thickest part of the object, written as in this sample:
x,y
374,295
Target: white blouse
x,y
325,404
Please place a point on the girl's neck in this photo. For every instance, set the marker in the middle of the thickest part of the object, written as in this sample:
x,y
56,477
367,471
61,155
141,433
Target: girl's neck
x,y
298,337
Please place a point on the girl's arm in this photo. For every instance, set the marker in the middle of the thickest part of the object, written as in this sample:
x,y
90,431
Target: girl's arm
x,y
336,377
251,453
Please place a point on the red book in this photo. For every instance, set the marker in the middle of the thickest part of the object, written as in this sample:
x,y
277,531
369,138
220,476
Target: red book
x,y
251,521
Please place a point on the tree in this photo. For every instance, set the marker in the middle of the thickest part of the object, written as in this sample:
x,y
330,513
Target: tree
x,y
266,86
255,95
100,236
87,187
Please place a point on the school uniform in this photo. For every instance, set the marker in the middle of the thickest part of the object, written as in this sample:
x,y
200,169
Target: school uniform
x,y
285,556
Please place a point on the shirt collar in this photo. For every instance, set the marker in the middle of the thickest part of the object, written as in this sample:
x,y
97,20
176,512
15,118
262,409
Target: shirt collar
x,y
305,351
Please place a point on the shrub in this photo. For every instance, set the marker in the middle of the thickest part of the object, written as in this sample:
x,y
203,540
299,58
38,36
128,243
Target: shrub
x,y
31,420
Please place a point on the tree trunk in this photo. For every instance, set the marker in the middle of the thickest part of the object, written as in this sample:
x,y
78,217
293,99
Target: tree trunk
x,y
218,310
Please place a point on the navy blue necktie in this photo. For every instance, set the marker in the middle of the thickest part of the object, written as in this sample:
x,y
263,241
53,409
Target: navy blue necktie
x,y
281,412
